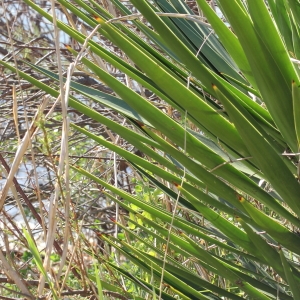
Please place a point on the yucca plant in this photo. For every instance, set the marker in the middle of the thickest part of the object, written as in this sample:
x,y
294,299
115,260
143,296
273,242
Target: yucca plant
x,y
225,152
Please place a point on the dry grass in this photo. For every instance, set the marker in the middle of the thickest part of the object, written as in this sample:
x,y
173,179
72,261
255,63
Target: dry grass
x,y
38,192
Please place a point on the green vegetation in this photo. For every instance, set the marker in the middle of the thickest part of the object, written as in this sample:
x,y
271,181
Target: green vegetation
x,y
215,210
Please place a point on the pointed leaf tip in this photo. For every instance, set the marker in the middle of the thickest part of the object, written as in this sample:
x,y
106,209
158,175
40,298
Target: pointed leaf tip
x,y
99,19
177,185
142,125
238,218
67,46
240,198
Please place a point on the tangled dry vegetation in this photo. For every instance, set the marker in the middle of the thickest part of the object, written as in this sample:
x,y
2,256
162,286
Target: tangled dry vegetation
x,y
37,181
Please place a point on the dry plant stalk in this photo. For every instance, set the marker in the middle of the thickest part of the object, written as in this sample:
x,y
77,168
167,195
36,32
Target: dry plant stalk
x,y
63,160
14,276
15,111
30,133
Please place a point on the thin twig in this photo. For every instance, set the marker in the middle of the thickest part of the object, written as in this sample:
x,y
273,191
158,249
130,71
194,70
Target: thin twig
x,y
194,18
229,162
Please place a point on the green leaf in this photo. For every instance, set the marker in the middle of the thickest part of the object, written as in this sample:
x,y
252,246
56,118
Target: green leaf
x,y
265,155
281,234
294,285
